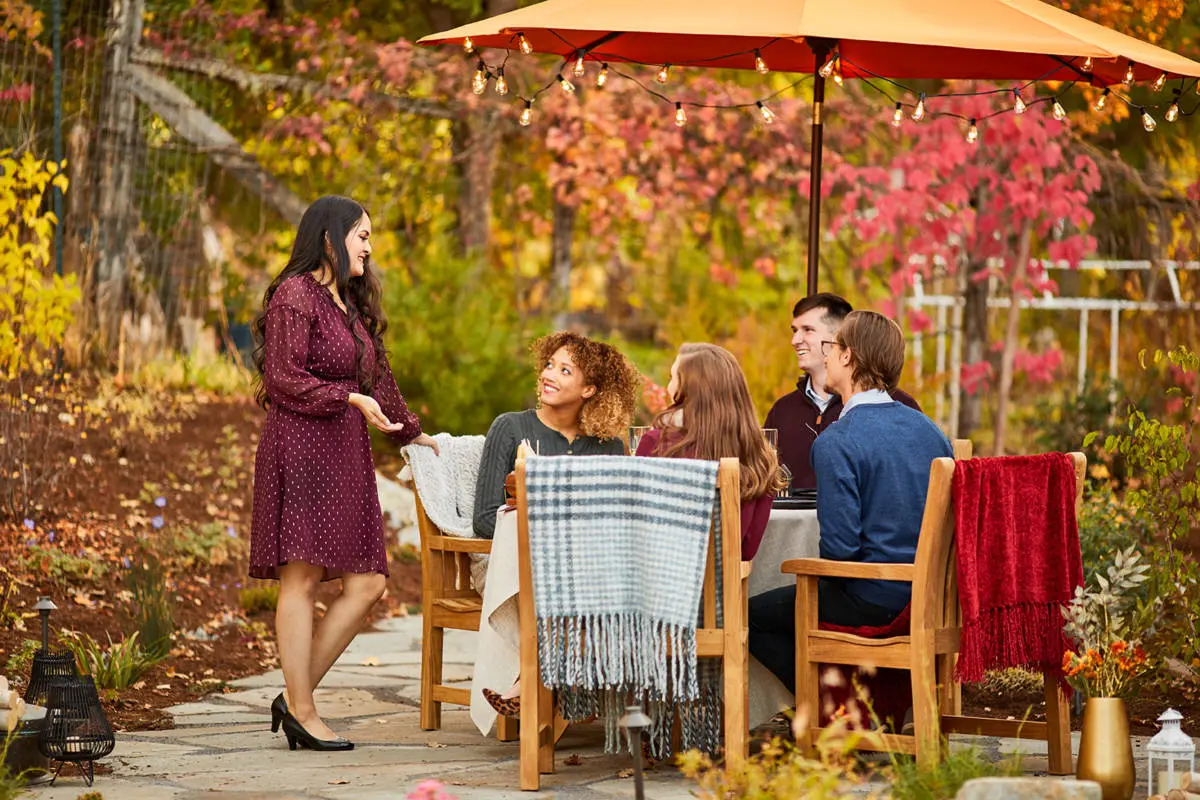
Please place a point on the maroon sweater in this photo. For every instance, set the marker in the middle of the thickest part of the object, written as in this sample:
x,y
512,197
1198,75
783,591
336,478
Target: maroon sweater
x,y
755,512
799,422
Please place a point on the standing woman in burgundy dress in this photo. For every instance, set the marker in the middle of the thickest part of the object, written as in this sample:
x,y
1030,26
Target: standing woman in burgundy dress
x,y
324,376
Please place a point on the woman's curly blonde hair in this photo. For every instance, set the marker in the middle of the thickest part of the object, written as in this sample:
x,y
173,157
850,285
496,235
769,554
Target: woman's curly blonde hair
x,y
607,413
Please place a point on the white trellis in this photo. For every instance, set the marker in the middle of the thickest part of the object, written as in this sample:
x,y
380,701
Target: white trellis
x,y
952,306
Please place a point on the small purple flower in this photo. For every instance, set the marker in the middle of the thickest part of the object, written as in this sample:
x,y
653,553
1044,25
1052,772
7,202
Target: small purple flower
x,y
157,522
232,533
237,585
161,502
125,562
30,542
29,524
223,587
50,536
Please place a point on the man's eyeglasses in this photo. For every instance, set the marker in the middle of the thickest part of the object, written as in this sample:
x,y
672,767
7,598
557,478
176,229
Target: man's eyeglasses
x,y
825,345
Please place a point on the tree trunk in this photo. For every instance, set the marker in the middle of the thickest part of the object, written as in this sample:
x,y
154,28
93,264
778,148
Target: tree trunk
x,y
1011,334
474,141
118,137
561,246
975,332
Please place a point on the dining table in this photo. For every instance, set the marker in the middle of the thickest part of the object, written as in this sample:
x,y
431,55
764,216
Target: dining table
x,y
790,533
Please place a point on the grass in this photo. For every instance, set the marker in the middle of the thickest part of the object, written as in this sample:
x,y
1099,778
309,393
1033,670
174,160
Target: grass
x,y
115,667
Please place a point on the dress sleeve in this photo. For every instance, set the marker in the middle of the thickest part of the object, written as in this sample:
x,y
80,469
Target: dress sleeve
x,y
387,394
499,456
649,442
839,502
285,374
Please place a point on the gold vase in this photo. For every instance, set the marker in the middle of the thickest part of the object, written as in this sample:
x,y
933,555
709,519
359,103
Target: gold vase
x,y
1105,753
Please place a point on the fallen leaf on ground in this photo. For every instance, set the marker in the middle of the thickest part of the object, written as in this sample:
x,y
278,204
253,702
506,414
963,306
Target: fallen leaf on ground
x,y
82,599
338,782
573,760
371,661
435,745
625,773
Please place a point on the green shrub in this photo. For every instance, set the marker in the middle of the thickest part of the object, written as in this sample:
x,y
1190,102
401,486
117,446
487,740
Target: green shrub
x,y
115,667
22,658
942,781
211,543
12,785
153,607
254,599
61,566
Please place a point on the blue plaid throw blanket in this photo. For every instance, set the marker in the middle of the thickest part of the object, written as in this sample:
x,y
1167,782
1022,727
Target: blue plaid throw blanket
x,y
618,549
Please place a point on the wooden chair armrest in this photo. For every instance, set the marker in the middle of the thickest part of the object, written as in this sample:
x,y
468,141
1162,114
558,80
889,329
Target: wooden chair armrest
x,y
747,566
825,567
460,544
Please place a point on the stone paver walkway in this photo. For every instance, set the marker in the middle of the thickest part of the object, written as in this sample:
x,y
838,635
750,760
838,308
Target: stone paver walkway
x,y
221,746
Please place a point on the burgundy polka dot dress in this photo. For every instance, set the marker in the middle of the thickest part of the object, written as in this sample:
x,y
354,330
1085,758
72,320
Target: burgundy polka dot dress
x,y
315,498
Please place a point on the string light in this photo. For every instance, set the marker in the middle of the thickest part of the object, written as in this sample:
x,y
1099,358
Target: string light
x,y
827,68
1148,121
1102,101
479,81
760,63
837,73
1173,111
468,46
526,114
1159,82
768,116
524,44
602,76
580,70
501,84
566,85
1128,79
680,116
898,115
1060,113
664,74
1018,103
972,133
919,112
1088,66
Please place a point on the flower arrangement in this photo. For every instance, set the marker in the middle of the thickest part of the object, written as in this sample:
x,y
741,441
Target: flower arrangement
x,y
1107,656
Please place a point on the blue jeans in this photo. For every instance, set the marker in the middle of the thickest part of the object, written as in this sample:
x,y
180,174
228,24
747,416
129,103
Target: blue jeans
x,y
773,622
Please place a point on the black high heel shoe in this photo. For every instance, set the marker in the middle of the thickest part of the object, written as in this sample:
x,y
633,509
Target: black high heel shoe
x,y
279,710
297,735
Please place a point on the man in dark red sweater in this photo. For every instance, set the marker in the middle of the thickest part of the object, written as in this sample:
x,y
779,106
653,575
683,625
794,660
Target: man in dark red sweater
x,y
800,416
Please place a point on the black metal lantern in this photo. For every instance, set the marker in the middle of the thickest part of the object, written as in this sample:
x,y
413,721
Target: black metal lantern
x,y
75,729
47,666
634,721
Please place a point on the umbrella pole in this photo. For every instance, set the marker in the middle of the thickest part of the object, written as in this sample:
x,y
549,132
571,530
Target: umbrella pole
x,y
821,52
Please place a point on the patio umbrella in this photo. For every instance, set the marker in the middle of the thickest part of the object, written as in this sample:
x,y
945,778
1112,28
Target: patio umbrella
x,y
898,39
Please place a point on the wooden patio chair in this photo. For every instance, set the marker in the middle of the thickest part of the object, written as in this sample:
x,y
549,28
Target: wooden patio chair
x,y
930,650
447,601
540,728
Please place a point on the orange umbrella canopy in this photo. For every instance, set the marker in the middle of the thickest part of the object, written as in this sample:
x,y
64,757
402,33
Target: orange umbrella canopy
x,y
902,39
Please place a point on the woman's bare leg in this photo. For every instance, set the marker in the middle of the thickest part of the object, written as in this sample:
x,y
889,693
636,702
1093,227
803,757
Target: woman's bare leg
x,y
344,619
294,633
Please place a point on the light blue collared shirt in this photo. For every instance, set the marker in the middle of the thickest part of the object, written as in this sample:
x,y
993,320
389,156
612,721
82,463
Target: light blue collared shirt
x,y
868,398
822,403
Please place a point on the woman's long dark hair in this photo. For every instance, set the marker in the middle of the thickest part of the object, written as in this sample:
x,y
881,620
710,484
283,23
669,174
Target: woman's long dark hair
x,y
322,234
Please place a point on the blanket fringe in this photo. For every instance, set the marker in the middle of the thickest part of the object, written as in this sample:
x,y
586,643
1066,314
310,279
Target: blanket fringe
x,y
1027,635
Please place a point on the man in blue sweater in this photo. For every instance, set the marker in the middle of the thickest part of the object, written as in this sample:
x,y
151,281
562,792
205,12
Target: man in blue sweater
x,y
872,469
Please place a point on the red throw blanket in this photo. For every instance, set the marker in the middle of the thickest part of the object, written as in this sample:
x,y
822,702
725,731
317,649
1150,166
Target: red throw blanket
x,y
1018,561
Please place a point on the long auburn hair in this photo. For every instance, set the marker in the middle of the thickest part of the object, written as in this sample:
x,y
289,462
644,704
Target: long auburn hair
x,y
712,416
321,241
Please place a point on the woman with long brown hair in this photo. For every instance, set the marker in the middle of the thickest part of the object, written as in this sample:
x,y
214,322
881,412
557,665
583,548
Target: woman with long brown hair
x,y
712,416
323,376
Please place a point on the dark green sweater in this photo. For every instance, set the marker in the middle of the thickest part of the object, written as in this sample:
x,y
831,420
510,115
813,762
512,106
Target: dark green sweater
x,y
500,458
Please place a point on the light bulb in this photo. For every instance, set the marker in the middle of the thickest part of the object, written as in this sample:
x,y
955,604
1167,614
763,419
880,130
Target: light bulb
x,y
1018,103
524,44
768,116
1159,82
972,133
1148,121
1101,101
919,112
1173,111
479,82
1088,65
566,85
501,84
468,46
664,74
898,115
580,70
760,64
527,114
827,68
680,116
1128,79
837,73
1060,113
602,76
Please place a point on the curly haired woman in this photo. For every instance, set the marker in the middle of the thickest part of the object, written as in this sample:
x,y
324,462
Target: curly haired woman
x,y
587,393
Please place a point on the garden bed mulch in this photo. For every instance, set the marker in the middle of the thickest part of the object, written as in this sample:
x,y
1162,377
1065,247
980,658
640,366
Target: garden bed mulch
x,y
177,484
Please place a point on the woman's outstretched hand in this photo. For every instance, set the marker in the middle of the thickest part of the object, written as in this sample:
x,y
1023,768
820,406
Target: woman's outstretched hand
x,y
373,413
427,441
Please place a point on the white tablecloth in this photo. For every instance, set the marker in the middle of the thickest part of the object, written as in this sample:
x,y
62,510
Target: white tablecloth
x,y
789,534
